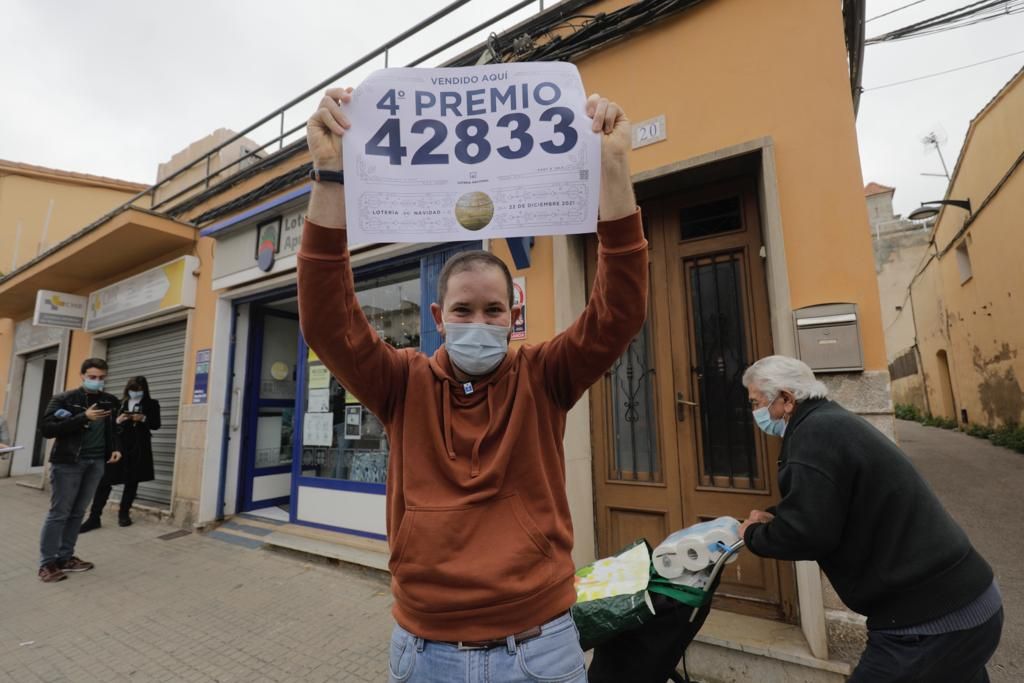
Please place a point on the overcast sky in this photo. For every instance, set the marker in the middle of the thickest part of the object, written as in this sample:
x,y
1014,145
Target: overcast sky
x,y
114,87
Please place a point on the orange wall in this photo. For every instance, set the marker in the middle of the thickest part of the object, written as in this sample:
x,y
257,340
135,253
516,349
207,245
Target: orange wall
x,y
27,200
731,71
81,348
540,295
203,317
976,322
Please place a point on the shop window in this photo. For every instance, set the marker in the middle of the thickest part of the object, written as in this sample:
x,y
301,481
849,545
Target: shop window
x,y
341,438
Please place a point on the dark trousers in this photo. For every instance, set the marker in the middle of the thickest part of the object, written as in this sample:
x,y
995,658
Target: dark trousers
x,y
103,494
957,657
71,487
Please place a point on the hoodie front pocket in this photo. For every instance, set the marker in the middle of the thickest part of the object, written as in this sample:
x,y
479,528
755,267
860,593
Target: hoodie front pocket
x,y
466,557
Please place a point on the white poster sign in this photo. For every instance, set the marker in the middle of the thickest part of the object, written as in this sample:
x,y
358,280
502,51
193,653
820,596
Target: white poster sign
x,y
317,429
57,309
444,155
319,401
519,299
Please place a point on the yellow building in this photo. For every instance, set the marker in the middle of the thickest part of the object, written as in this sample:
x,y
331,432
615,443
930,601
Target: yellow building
x,y
39,208
966,299
755,216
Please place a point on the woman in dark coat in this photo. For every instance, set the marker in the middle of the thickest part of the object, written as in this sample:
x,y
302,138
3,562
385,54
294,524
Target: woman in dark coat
x,y
138,416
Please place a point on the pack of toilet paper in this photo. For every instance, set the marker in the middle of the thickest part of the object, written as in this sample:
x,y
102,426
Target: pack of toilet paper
x,y
685,554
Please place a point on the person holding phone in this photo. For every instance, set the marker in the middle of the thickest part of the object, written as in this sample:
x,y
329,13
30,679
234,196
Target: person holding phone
x,y
138,416
82,422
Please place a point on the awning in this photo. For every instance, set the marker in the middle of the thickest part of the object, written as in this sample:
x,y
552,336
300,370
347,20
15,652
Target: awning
x,y
95,255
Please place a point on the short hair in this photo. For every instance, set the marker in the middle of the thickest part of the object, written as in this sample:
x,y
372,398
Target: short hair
x,y
471,260
97,363
774,374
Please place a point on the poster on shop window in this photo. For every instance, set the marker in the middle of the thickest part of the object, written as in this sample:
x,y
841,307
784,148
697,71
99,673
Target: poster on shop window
x,y
485,152
519,299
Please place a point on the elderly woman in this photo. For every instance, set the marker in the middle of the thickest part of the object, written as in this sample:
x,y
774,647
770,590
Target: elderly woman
x,y
852,501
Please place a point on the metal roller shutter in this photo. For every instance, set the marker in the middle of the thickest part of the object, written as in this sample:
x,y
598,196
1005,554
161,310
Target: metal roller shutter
x,y
159,355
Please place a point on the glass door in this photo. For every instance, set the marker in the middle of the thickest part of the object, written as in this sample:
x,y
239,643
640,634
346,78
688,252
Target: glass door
x,y
269,436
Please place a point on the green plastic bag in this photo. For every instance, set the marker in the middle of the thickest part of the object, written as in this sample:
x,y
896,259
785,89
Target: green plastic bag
x,y
611,595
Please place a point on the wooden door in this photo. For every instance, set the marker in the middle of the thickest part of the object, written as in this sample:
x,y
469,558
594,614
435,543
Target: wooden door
x,y
708,321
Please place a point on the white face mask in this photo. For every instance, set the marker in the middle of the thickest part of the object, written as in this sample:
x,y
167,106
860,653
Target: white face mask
x,y
476,348
136,395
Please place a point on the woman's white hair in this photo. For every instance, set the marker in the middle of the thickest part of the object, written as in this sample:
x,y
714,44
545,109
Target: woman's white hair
x,y
774,374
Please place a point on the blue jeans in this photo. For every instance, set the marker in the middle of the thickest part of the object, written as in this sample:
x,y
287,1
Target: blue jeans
x,y
552,657
72,486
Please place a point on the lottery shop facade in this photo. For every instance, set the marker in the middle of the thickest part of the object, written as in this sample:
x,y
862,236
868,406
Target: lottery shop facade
x,y
750,192
750,188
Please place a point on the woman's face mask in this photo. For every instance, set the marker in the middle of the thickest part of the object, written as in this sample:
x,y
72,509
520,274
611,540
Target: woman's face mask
x,y
476,348
136,395
768,424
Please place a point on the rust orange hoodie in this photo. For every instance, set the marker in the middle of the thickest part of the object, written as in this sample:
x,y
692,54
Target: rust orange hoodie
x,y
477,515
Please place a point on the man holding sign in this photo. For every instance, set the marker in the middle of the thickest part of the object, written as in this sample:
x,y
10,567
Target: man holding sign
x,y
478,520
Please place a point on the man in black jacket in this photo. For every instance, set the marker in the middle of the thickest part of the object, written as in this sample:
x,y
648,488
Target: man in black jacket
x,y
853,502
82,422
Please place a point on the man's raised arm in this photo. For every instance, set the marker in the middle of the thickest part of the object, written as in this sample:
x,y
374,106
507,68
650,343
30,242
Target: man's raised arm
x,y
615,314
332,321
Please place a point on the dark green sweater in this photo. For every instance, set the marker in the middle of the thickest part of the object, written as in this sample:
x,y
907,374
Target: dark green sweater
x,y
852,501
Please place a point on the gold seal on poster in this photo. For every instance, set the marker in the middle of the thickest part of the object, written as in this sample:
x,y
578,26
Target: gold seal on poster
x,y
474,210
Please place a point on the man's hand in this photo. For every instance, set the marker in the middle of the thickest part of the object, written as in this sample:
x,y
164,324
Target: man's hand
x,y
608,118
114,457
755,517
326,127
324,131
617,200
94,413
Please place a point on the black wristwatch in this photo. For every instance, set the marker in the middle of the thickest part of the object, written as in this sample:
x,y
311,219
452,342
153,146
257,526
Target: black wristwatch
x,y
327,176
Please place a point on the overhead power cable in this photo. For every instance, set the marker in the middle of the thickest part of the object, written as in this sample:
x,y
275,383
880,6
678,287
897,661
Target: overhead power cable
x,y
894,11
968,15
943,73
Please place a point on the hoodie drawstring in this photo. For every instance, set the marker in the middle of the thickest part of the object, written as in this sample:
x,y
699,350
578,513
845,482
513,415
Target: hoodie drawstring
x,y
449,444
447,417
474,466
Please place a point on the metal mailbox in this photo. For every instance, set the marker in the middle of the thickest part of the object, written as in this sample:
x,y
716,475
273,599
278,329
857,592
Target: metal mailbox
x,y
828,337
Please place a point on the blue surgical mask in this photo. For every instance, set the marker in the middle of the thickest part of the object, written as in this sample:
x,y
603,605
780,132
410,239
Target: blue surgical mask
x,y
768,424
136,395
476,348
93,384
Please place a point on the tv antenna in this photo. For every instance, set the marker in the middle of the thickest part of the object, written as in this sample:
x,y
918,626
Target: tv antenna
x,y
936,138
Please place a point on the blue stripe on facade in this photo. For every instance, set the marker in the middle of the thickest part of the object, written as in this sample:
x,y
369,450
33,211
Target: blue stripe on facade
x,y
255,211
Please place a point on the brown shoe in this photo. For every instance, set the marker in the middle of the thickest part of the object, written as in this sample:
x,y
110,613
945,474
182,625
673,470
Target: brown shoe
x,y
75,565
51,573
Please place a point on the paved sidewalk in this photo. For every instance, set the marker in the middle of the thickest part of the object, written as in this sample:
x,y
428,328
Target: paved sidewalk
x,y
981,485
193,608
